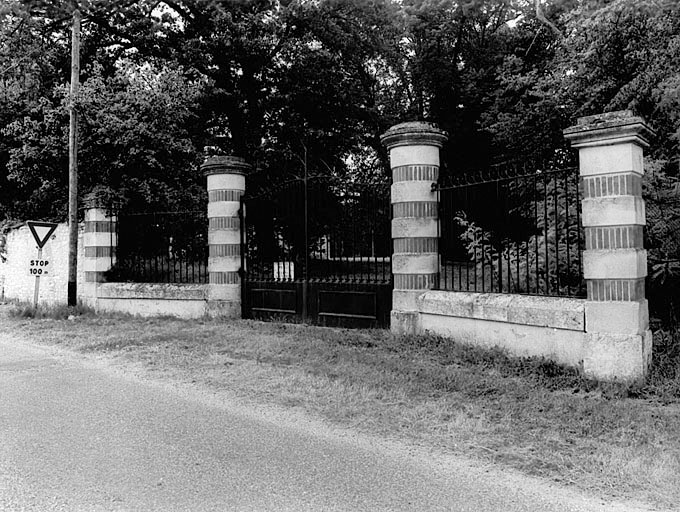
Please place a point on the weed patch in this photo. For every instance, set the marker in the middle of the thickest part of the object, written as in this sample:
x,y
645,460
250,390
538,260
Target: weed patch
x,y
42,311
663,382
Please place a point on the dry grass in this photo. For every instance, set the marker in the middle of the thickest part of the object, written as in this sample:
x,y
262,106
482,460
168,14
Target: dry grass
x,y
528,414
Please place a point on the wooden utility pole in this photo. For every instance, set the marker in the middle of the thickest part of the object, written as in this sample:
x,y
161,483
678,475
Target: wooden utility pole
x,y
73,162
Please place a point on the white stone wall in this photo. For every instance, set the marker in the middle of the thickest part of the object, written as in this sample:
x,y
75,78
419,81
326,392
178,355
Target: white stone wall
x,y
525,326
15,281
569,331
153,299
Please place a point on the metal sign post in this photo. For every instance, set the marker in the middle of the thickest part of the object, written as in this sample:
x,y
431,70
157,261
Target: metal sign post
x,y
37,282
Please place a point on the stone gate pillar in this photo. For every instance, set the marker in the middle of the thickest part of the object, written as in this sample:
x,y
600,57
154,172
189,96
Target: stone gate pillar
x,y
100,240
414,160
619,342
226,181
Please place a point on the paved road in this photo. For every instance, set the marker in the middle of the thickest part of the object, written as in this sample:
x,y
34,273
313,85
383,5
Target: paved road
x,y
77,436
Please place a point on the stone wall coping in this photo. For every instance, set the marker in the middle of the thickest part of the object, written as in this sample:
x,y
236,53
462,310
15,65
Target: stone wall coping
x,y
175,291
413,133
609,128
225,165
553,312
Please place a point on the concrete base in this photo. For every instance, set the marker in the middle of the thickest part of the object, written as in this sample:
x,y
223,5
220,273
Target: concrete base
x,y
405,322
223,309
617,357
405,300
87,292
87,301
224,292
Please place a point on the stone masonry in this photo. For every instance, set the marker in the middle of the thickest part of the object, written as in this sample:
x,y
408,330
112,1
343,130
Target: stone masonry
x,y
611,146
99,247
414,160
226,183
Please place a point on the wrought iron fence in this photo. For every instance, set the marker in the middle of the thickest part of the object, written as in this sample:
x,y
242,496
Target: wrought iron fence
x,y
164,247
324,232
512,229
662,241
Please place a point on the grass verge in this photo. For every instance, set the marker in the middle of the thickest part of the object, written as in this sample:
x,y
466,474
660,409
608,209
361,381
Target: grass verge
x,y
59,312
528,414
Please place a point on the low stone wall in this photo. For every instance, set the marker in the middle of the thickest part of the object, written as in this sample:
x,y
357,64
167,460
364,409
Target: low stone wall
x,y
146,299
565,330
525,326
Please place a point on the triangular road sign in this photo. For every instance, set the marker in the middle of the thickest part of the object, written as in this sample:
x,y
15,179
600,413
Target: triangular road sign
x,y
41,231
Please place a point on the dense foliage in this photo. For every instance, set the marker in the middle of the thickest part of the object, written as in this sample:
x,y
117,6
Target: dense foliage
x,y
287,83
311,84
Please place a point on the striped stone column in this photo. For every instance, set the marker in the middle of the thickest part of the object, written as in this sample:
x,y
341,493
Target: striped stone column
x,y
614,261
414,159
226,181
100,241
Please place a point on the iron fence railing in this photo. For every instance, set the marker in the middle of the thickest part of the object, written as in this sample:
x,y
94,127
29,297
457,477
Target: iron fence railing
x,y
164,247
322,231
662,241
512,229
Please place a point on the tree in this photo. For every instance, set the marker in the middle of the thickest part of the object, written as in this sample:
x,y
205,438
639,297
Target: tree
x,y
136,136
30,65
140,135
614,55
280,82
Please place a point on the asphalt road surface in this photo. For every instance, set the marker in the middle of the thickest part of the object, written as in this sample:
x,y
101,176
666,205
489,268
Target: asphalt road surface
x,y
76,435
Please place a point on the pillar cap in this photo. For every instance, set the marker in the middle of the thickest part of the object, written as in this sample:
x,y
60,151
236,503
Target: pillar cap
x,y
225,165
414,132
609,128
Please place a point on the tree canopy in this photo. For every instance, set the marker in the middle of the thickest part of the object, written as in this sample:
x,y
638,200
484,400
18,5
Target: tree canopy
x,y
282,81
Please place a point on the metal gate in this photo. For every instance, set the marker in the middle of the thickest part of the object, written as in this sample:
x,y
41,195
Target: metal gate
x,y
318,251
